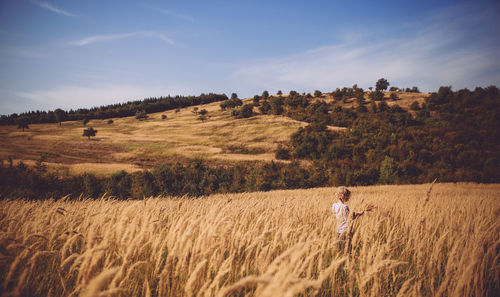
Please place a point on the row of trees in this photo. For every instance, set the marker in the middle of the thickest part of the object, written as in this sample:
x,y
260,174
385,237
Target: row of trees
x,y
193,179
131,108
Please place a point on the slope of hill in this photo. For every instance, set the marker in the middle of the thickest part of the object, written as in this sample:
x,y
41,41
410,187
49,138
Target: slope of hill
x,y
131,144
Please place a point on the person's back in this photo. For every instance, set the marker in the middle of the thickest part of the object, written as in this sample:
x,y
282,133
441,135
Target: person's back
x,y
341,212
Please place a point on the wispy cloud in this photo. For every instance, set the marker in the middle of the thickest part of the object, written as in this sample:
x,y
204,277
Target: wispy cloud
x,y
53,8
112,37
176,14
444,49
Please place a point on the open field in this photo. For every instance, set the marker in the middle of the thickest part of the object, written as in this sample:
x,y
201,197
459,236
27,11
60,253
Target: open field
x,y
131,144
280,243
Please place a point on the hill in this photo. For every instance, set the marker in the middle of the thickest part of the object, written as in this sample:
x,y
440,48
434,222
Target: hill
x,y
279,243
130,144
348,137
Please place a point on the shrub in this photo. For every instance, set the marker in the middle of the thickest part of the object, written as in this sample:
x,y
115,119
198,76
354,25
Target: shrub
x,y
89,132
377,96
141,115
282,153
246,111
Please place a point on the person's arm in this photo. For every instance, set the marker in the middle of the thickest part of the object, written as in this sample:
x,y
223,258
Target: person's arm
x,y
357,214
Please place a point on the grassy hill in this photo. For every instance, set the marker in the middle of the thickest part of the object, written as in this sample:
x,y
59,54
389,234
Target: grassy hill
x,y
132,145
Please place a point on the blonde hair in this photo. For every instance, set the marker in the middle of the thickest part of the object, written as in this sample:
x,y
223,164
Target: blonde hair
x,y
343,194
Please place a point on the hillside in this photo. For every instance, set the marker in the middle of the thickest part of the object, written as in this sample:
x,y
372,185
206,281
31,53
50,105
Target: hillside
x,y
131,145
279,243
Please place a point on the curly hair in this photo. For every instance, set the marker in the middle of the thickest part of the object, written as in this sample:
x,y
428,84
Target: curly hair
x,y
343,194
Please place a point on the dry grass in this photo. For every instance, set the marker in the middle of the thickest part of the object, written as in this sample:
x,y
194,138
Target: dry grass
x,y
131,143
280,243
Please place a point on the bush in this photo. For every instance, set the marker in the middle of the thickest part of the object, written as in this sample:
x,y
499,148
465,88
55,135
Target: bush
x,y
110,122
415,106
377,96
394,96
246,111
141,115
282,153
163,116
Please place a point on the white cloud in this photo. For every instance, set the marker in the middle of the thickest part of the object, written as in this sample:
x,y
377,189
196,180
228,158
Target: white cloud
x,y
435,51
53,8
112,37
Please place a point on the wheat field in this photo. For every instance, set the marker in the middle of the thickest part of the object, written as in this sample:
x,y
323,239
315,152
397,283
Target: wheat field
x,y
280,243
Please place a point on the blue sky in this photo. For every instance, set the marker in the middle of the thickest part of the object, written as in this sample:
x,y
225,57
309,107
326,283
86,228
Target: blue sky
x,y
73,54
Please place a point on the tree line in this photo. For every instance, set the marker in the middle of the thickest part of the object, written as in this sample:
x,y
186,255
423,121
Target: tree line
x,y
130,108
193,179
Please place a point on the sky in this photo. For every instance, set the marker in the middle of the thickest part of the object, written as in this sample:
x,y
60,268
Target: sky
x,y
73,54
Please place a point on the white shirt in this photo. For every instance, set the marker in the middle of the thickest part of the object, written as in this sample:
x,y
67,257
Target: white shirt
x,y
341,212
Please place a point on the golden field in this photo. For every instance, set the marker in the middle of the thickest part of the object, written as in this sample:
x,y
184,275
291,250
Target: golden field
x,y
280,243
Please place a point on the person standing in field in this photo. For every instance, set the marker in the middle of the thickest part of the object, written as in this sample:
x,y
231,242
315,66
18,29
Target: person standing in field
x,y
341,211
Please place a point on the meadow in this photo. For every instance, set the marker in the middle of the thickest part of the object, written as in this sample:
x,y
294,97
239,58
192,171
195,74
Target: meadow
x,y
278,243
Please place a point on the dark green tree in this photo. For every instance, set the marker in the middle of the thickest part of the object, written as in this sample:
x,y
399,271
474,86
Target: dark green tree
x,y
141,115
22,123
246,111
89,132
60,115
381,84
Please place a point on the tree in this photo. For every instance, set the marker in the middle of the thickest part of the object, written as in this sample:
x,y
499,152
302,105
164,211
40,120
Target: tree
x,y
265,94
381,84
317,93
256,100
234,96
360,98
388,171
415,106
141,115
246,111
22,123
60,115
86,121
203,115
279,93
89,132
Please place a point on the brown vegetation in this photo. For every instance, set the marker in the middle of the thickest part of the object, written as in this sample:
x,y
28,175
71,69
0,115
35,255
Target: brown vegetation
x,y
280,243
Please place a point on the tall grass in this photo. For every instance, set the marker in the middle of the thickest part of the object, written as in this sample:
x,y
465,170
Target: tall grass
x,y
280,243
